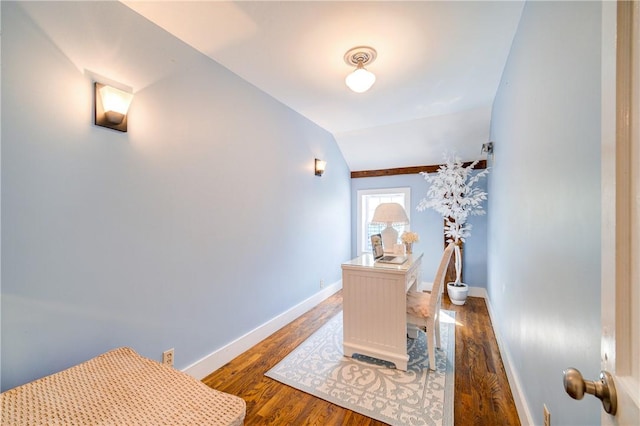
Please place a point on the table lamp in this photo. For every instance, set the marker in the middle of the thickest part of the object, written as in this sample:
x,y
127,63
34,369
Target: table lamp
x,y
390,213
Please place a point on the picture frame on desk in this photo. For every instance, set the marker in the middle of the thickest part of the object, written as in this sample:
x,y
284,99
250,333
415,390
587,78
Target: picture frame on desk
x,y
376,245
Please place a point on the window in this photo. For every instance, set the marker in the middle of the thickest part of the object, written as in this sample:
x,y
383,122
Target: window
x,y
368,200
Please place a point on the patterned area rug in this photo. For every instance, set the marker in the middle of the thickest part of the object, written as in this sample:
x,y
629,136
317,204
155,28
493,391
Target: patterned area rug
x,y
373,387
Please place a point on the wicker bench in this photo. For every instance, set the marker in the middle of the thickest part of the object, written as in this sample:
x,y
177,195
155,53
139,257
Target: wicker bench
x,y
116,388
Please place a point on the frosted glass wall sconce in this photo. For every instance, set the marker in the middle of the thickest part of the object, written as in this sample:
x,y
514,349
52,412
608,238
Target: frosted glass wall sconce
x,y
111,107
320,166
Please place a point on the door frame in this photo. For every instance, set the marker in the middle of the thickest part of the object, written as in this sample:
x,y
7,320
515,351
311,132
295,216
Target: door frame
x,y
620,102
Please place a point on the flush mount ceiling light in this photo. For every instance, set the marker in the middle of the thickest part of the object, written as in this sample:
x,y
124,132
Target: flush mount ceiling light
x,y
360,80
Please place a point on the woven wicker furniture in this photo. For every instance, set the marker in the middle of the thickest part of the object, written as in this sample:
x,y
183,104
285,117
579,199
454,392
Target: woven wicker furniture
x,y
119,387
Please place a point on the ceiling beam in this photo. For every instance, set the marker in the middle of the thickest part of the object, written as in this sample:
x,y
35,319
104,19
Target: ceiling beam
x,y
482,164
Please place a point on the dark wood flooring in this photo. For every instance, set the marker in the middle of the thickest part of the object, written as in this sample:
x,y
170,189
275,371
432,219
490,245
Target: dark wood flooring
x,y
482,393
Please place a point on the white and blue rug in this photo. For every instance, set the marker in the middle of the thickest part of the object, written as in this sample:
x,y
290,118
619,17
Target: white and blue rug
x,y
372,387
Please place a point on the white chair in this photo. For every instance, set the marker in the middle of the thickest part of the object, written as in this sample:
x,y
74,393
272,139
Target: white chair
x,y
423,309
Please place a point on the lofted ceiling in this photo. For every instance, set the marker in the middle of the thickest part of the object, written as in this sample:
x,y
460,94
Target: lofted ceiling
x,y
438,67
438,63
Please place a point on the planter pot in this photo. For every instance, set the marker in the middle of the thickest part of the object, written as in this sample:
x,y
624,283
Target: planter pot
x,y
457,294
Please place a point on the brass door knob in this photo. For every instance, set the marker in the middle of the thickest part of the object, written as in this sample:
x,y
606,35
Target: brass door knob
x,y
604,389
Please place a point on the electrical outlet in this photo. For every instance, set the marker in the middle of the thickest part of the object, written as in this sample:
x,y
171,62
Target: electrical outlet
x,y
547,415
321,283
167,357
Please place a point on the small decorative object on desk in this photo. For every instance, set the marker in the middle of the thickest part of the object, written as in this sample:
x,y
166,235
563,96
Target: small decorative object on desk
x,y
408,238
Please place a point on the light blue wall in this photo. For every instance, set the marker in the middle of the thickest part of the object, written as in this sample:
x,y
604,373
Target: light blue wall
x,y
429,225
201,223
544,222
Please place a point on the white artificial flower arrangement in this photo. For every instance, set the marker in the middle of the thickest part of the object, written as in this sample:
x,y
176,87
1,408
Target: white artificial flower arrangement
x,y
453,194
410,237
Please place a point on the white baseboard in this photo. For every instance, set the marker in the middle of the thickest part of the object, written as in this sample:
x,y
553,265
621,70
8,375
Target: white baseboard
x,y
202,368
524,413
478,292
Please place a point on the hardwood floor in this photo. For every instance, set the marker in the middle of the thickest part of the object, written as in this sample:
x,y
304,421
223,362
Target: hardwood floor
x,y
482,393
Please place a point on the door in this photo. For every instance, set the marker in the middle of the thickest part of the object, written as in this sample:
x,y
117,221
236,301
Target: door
x,y
621,208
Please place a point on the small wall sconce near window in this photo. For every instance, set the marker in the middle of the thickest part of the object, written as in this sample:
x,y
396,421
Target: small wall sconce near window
x,y
487,148
320,166
111,107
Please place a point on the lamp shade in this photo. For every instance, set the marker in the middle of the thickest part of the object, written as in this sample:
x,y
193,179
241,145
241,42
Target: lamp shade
x,y
390,213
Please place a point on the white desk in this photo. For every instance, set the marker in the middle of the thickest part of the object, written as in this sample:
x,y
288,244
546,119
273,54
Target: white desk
x,y
375,307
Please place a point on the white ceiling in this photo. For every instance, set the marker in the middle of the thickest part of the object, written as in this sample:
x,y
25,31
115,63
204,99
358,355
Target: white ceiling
x,y
438,67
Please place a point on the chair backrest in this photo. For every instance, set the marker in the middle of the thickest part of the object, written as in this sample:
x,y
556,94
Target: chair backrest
x,y
438,282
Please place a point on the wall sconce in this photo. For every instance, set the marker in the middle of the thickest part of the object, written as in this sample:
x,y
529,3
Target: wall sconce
x,y
487,148
320,166
111,107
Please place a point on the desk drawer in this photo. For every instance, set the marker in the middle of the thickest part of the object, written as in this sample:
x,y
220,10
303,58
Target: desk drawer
x,y
413,276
